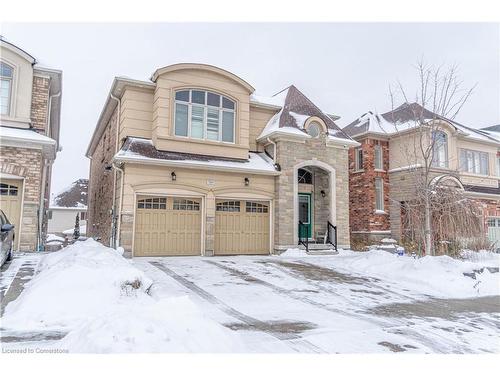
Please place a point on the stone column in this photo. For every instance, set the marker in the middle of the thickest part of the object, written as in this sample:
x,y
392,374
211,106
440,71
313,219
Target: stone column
x,y
209,224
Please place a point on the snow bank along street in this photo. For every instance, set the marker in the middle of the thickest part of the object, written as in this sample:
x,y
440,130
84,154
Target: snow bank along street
x,y
91,299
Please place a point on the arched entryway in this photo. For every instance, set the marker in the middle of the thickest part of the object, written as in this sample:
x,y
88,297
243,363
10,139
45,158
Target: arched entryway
x,y
314,199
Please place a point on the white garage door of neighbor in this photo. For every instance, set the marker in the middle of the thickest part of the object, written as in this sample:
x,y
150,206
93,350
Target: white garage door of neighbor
x,y
167,226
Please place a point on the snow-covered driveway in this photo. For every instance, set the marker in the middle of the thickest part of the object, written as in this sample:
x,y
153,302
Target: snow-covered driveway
x,y
314,305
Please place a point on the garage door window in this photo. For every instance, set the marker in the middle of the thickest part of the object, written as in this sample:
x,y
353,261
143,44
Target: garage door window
x,y
186,205
153,203
228,206
256,207
8,189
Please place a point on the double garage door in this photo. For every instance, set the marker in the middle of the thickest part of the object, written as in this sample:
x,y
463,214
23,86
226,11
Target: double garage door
x,y
172,226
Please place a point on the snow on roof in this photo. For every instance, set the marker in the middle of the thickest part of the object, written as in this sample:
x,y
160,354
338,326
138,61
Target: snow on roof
x,y
27,135
143,150
277,100
492,134
405,117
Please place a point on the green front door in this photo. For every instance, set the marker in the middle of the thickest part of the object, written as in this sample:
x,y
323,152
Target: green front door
x,y
305,215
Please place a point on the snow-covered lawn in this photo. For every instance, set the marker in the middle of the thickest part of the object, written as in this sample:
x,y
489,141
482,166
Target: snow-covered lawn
x,y
347,303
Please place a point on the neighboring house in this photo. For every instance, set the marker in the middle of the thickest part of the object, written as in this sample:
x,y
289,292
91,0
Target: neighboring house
x,y
66,205
193,163
29,139
381,168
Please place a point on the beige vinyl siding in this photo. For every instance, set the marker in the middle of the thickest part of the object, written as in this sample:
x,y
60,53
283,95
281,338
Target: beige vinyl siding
x,y
136,113
259,117
163,115
238,233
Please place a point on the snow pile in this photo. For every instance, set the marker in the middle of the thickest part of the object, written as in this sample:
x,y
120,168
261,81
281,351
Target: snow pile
x,y
101,299
74,285
294,252
439,276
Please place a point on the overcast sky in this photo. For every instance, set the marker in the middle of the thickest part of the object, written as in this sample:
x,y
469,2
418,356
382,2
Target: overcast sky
x,y
344,68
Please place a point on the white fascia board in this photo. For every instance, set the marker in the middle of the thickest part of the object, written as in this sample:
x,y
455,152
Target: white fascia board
x,y
343,141
284,134
191,165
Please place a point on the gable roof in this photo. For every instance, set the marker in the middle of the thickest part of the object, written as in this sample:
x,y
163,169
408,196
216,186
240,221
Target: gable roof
x,y
406,117
296,108
74,195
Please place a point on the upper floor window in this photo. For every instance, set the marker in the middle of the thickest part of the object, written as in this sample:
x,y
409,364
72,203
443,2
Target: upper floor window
x,y
204,115
439,149
474,161
379,194
358,159
6,75
378,157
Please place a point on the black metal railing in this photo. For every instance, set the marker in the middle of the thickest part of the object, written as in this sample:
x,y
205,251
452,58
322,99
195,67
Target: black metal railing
x,y
304,235
331,235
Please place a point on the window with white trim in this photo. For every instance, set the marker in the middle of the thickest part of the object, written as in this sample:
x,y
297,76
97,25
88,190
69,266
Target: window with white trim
x,y
186,205
256,207
358,158
6,189
152,203
203,114
440,149
472,161
6,75
228,206
379,194
378,157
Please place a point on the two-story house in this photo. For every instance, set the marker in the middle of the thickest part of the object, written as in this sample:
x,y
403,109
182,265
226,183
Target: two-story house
x,y
30,103
382,168
193,163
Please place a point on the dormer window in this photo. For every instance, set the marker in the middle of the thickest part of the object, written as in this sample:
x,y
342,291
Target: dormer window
x,y
6,75
314,129
203,114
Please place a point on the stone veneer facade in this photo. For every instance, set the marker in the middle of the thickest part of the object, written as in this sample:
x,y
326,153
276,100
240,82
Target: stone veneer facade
x,y
366,225
100,190
289,155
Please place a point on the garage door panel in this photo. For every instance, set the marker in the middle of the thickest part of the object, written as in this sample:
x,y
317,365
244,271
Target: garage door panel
x,y
165,227
10,202
241,230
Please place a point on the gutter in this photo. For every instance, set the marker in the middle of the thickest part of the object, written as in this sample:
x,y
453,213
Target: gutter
x,y
182,164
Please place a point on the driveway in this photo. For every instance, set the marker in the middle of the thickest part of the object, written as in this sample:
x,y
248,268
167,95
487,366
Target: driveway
x,y
300,305
281,304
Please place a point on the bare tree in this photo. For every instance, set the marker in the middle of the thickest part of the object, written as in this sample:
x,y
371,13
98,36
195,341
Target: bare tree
x,y
439,98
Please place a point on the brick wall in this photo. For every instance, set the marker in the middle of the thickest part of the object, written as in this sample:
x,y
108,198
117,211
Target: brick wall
x,y
101,184
40,103
362,190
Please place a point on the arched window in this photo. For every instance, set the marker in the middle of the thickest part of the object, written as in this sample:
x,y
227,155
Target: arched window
x,y
439,149
304,176
6,75
204,115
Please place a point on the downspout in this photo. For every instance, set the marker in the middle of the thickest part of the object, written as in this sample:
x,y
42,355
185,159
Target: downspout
x,y
274,148
119,222
115,234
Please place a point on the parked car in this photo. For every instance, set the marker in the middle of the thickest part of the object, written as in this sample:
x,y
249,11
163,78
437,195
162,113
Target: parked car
x,y
6,238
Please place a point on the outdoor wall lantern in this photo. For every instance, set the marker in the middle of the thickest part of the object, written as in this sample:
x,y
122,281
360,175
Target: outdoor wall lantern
x,y
247,181
174,176
323,194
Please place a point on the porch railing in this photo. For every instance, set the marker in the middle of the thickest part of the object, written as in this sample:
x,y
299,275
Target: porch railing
x,y
303,235
331,235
